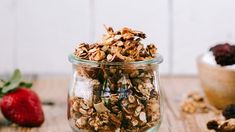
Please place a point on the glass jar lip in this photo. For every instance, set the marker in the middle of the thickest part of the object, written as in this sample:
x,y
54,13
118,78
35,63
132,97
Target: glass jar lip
x,y
75,60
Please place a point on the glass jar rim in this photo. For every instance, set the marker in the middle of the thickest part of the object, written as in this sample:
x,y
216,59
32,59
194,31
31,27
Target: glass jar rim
x,y
75,60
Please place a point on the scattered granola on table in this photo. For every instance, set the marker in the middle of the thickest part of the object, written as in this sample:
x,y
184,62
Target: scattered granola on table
x,y
227,125
123,97
195,103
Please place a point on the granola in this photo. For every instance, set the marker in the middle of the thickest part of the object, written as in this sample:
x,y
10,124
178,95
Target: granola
x,y
224,125
124,97
195,103
120,46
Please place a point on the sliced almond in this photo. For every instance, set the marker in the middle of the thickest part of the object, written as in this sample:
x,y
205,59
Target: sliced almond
x,y
100,107
142,117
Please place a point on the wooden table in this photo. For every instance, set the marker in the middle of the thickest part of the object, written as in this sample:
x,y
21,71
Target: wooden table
x,y
53,88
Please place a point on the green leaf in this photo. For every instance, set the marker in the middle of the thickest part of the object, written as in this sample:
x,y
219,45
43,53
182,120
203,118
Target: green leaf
x,y
14,82
26,85
16,77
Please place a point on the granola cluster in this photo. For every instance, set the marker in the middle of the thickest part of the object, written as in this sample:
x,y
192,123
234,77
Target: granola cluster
x,y
117,46
195,103
222,125
123,97
227,125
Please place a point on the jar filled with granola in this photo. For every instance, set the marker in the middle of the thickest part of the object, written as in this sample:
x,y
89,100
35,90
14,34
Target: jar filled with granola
x,y
115,84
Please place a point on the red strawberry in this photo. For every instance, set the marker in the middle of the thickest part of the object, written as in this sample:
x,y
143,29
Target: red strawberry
x,y
20,104
22,107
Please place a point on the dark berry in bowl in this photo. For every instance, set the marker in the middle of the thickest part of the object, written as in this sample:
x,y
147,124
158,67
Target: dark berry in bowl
x,y
229,111
224,54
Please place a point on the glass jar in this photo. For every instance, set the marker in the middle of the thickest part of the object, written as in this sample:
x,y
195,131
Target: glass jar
x,y
115,96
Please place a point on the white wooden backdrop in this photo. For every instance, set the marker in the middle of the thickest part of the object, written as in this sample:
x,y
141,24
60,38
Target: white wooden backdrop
x,y
37,35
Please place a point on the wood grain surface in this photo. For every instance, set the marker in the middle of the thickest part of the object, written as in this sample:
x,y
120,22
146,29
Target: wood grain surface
x,y
52,90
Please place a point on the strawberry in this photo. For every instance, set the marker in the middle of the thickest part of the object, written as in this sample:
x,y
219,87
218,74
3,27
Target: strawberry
x,y
19,104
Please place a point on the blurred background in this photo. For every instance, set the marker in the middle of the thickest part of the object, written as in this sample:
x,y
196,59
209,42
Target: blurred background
x,y
37,35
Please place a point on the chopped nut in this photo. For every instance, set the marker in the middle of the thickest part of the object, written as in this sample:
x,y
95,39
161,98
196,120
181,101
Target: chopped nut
x,y
142,117
110,57
75,106
137,111
84,105
143,90
127,36
81,122
100,107
114,98
92,50
109,41
134,122
90,111
131,98
97,56
82,111
153,109
117,37
119,43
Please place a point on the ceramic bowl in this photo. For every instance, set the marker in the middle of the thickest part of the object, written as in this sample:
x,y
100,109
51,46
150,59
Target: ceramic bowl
x,y
217,82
